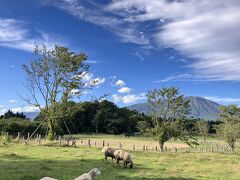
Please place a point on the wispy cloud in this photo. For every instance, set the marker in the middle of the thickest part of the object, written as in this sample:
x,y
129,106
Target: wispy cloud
x,y
92,62
16,34
101,16
13,101
205,31
186,77
223,100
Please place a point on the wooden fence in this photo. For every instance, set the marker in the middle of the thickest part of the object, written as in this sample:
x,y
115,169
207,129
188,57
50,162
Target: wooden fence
x,y
66,141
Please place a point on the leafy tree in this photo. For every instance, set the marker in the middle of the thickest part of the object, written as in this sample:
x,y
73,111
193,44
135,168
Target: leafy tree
x,y
203,129
168,109
229,129
53,78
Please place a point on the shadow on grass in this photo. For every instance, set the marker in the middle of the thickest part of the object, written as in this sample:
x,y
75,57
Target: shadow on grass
x,y
17,167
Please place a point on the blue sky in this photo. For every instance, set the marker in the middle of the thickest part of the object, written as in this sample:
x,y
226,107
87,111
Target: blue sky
x,y
132,46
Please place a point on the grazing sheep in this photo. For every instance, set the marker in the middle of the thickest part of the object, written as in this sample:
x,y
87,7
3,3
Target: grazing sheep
x,y
48,178
90,175
108,152
124,156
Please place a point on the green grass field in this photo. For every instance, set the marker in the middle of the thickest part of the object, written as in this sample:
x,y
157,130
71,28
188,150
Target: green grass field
x,y
28,162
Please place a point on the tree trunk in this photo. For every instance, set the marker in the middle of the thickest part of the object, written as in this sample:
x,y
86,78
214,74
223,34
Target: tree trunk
x,y
51,132
51,135
161,146
96,128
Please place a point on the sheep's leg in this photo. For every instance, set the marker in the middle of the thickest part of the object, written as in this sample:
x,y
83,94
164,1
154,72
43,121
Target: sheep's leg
x,y
118,162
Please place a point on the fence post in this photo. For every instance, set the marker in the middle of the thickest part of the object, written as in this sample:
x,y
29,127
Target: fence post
x,y
89,143
95,143
28,135
108,144
143,147
156,148
166,149
103,143
67,141
7,134
120,145
60,140
134,147
175,149
39,139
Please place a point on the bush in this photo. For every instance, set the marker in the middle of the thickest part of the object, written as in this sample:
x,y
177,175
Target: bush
x,y
15,125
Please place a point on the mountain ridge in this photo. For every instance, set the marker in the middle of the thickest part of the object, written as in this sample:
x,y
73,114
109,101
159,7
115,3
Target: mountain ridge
x,y
199,108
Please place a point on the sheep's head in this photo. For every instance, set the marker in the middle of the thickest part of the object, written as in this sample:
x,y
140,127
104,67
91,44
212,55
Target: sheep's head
x,y
96,172
131,165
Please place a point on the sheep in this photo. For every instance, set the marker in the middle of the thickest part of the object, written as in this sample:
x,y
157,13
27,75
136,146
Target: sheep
x,y
48,178
124,156
108,152
90,175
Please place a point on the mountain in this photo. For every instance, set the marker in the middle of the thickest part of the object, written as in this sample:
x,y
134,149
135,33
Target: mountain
x,y
200,108
31,115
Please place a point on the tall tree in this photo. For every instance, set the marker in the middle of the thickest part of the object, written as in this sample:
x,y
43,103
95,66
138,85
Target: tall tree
x,y
168,108
53,78
229,129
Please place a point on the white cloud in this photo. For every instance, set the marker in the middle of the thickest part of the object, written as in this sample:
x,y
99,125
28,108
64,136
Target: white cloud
x,y
26,109
1,106
206,31
2,111
99,15
97,81
124,90
13,101
185,77
116,98
223,100
128,99
90,80
120,83
75,91
15,34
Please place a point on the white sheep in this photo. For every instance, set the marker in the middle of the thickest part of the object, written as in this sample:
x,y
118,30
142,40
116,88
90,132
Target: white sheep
x,y
124,156
108,152
90,175
48,178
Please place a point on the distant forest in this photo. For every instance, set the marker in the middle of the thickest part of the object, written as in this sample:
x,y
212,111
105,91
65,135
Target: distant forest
x,y
89,117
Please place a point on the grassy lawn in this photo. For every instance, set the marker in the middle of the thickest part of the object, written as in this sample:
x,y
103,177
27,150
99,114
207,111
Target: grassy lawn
x,y
21,162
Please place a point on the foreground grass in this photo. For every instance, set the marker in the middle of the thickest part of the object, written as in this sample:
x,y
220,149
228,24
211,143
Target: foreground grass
x,y
20,162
